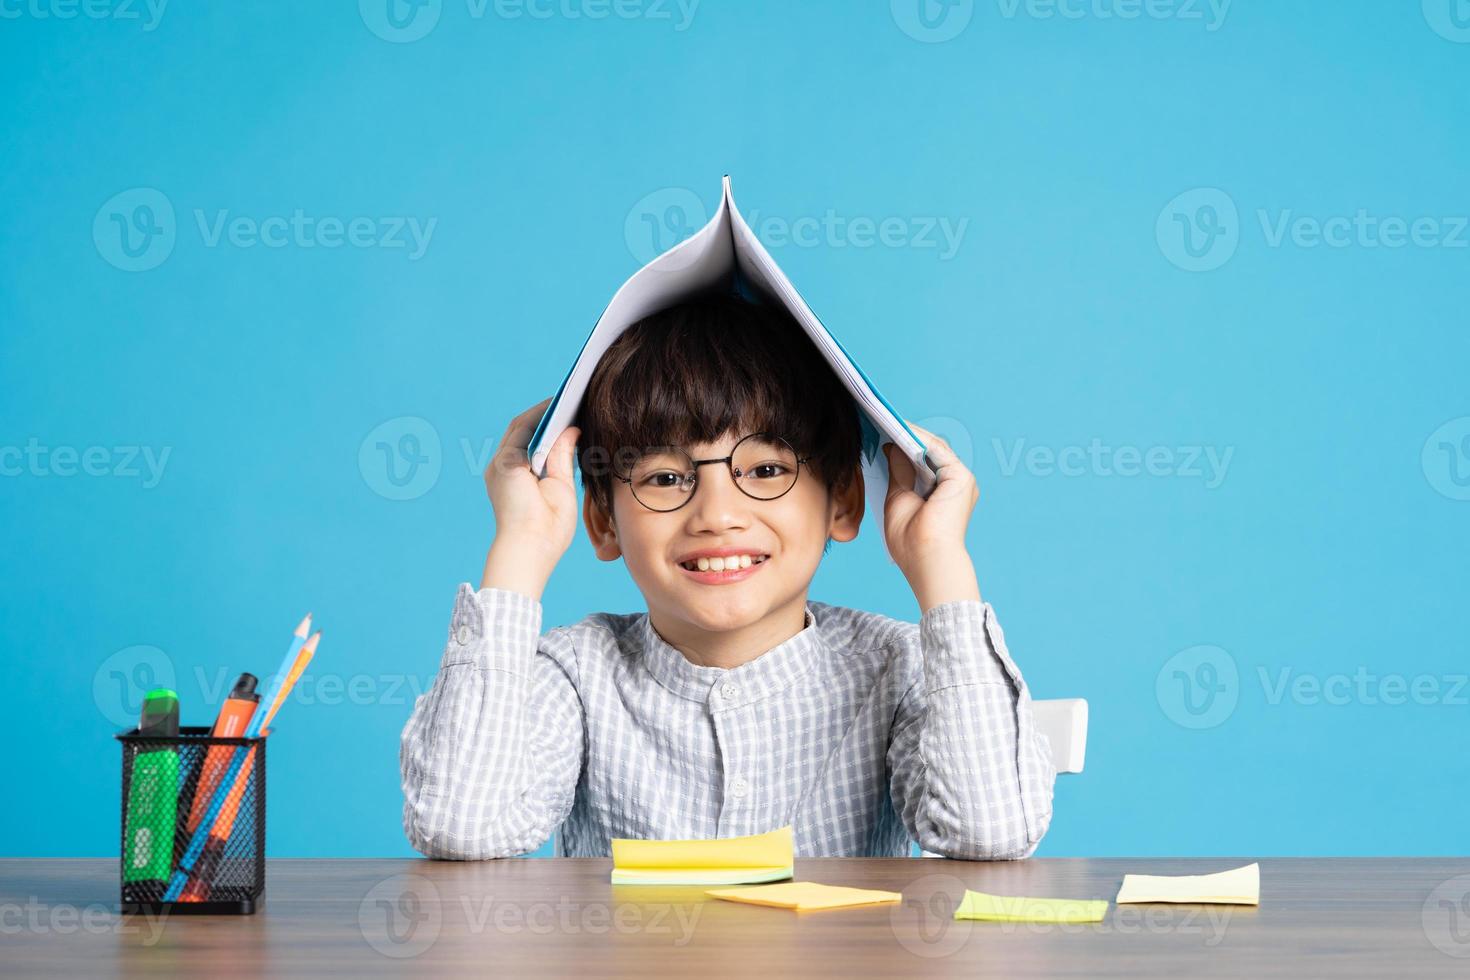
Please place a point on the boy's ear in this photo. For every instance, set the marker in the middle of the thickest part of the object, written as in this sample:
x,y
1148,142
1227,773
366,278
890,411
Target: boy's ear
x,y
601,530
847,509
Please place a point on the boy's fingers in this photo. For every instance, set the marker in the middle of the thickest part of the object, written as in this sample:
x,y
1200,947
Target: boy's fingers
x,y
947,465
508,459
900,470
518,433
554,458
936,442
559,462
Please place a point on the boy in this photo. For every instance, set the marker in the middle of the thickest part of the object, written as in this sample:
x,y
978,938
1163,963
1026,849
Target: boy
x,y
720,457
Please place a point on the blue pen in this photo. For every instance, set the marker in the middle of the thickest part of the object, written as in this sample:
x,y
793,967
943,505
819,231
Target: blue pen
x,y
222,791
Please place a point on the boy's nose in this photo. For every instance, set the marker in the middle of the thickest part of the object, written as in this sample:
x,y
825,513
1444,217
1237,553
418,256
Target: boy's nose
x,y
718,501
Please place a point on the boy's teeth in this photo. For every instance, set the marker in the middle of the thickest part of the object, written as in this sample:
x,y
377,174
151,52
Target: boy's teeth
x,y
723,564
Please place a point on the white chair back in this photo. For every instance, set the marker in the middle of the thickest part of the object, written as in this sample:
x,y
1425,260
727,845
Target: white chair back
x,y
1064,723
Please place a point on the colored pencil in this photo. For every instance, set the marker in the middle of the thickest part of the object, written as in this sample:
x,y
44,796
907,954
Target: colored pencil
x,y
197,890
222,791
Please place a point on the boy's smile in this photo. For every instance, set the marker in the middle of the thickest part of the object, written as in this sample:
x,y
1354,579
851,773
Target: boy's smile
x,y
726,575
719,566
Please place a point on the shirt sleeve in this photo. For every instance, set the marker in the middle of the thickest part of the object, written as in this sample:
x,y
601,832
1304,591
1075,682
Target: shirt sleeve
x,y
491,756
969,774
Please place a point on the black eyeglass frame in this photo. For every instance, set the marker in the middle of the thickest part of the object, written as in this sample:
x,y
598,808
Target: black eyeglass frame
x,y
729,462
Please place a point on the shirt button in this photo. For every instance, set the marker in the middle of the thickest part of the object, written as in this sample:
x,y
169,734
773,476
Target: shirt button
x,y
739,787
729,690
464,634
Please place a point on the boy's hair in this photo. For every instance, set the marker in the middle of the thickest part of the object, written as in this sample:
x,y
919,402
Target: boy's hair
x,y
712,365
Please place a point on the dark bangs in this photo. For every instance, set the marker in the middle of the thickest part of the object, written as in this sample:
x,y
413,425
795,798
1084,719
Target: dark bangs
x,y
713,365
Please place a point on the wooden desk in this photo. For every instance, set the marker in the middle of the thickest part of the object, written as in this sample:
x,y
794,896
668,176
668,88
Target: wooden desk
x,y
1382,917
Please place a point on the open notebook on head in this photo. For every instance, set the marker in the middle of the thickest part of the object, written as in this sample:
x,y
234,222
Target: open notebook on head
x,y
726,253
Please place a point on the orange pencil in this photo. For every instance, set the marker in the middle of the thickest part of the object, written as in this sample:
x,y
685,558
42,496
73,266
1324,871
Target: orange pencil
x,y
197,890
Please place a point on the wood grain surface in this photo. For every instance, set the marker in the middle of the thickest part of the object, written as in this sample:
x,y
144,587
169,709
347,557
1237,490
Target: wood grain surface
x,y
1350,917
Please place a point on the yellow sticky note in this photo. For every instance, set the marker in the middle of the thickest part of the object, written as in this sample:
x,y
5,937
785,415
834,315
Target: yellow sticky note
x,y
806,896
723,861
1016,908
1239,886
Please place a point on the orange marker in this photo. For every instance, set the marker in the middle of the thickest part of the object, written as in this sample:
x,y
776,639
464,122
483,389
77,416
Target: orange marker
x,y
234,716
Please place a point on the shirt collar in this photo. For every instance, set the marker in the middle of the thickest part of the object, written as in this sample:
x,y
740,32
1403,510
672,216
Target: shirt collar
x,y
771,673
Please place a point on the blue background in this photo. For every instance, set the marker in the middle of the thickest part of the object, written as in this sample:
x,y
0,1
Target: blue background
x,y
1330,548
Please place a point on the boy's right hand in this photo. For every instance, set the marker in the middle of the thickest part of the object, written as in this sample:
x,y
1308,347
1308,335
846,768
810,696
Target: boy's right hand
x,y
535,517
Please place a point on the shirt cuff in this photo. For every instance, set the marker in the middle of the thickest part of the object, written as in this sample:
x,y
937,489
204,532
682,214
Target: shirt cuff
x,y
962,644
493,629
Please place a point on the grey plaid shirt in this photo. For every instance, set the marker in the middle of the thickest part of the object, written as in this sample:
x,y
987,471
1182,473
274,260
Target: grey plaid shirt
x,y
861,731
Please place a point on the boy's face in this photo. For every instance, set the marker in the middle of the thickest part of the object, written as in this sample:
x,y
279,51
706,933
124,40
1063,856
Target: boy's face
x,y
790,531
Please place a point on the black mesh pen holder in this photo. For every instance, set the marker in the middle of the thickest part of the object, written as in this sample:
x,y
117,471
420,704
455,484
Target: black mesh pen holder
x,y
193,823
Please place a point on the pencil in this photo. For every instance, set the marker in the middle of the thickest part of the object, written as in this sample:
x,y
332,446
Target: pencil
x,y
197,890
201,833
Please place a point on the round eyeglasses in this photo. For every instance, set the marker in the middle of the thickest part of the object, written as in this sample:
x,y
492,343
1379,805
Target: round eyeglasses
x,y
763,466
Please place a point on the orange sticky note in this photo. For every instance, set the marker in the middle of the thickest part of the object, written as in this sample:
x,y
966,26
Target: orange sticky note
x,y
805,896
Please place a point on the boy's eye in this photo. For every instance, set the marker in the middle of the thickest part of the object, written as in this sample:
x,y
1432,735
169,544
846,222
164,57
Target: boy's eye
x,y
768,471
662,479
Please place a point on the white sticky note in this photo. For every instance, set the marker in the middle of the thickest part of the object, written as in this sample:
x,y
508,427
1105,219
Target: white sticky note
x,y
1239,886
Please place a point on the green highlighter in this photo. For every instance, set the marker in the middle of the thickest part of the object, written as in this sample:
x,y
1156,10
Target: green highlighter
x,y
153,793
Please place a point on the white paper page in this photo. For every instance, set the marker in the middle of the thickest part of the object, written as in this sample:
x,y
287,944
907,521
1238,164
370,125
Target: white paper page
x,y
758,266
704,259
693,265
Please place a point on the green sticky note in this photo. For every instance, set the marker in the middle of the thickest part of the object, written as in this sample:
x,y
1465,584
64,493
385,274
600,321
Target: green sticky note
x,y
1015,908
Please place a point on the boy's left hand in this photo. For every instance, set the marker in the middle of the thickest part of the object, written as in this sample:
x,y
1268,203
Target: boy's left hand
x,y
927,537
